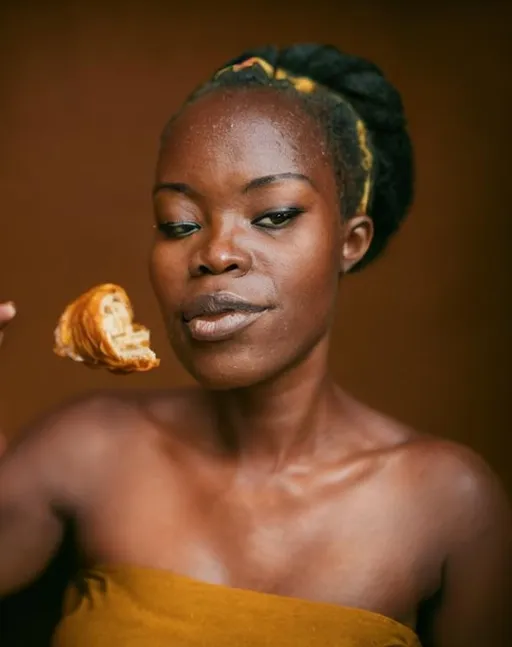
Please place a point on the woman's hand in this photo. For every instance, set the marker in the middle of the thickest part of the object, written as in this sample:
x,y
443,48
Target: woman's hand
x,y
7,313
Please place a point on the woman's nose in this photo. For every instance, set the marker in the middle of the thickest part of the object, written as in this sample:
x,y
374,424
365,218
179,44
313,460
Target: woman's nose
x,y
220,252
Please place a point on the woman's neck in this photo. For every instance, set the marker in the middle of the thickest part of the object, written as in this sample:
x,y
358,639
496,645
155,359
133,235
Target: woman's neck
x,y
269,425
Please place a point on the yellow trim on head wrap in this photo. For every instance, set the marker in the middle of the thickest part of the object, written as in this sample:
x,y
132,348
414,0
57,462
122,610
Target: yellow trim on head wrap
x,y
305,85
366,163
301,83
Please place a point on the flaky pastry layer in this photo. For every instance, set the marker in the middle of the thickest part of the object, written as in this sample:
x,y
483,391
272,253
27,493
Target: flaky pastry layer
x,y
98,330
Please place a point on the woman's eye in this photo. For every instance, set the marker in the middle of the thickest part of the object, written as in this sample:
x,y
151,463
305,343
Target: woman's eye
x,y
177,229
277,219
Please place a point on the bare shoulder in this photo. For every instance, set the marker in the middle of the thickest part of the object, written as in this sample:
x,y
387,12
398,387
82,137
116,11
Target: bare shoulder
x,y
72,422
64,449
68,452
447,482
463,488
450,481
451,468
92,421
438,461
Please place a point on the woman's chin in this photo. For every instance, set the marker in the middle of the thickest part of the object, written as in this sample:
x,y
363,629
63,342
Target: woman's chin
x,y
223,371
226,380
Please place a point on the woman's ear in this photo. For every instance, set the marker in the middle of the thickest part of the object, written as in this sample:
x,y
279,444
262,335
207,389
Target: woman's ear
x,y
357,236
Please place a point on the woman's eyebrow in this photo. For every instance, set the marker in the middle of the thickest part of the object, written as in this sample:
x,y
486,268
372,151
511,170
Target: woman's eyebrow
x,y
256,183
277,177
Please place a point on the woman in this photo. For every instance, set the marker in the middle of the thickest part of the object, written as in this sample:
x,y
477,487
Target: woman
x,y
267,506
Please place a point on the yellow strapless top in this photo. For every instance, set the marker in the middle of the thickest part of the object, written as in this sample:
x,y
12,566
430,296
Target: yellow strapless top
x,y
127,606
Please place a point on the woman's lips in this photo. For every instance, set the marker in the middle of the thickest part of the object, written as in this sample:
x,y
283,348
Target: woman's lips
x,y
221,326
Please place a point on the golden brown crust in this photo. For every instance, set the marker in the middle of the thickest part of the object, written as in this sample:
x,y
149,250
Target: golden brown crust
x,y
82,333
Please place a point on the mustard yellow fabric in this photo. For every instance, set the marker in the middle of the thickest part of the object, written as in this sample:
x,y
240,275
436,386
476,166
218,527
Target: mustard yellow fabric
x,y
126,606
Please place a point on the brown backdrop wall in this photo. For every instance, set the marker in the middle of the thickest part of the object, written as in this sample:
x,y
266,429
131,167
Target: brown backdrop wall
x,y
85,89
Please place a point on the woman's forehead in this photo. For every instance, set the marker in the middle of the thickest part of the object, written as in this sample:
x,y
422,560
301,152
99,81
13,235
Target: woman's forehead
x,y
260,131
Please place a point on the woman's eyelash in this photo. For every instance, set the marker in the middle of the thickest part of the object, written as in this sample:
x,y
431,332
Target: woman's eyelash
x,y
177,229
278,219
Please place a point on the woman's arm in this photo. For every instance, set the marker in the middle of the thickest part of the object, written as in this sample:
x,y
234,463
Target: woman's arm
x,y
28,618
474,606
30,530
44,475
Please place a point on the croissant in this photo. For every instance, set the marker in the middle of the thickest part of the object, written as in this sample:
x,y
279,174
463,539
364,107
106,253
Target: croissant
x,y
98,330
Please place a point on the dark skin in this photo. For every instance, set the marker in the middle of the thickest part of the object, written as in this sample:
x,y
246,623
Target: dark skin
x,y
268,477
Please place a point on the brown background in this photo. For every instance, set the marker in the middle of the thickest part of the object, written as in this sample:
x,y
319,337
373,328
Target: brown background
x,y
85,89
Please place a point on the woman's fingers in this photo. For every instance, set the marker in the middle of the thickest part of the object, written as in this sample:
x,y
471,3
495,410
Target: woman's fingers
x,y
7,313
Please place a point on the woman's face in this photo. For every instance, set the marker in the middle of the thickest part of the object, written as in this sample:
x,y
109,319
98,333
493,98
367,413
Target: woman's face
x,y
250,241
